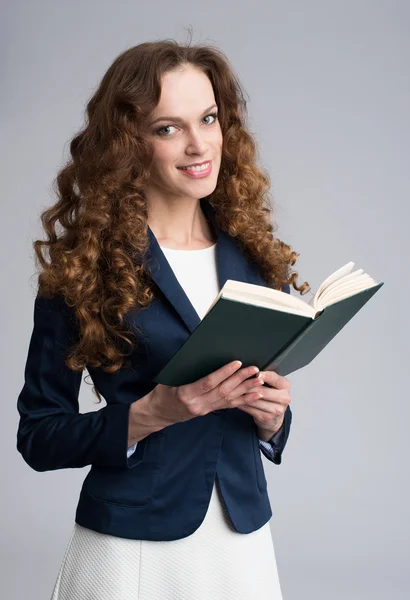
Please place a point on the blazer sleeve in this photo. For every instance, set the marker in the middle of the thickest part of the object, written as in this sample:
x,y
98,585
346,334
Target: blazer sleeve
x,y
52,433
278,443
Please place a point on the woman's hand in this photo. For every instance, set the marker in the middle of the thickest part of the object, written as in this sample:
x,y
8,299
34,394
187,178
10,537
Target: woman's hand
x,y
268,412
227,387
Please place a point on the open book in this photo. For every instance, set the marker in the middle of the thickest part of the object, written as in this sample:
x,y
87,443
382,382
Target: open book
x,y
339,285
269,328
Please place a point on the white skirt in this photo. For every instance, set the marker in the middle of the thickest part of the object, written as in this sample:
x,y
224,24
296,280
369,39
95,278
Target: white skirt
x,y
213,562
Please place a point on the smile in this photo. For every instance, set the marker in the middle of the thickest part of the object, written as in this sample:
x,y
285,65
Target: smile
x,y
197,171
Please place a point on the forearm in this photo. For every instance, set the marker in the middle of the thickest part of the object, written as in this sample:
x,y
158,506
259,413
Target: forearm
x,y
142,421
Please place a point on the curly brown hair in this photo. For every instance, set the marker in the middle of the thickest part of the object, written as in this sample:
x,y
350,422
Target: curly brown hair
x,y
96,259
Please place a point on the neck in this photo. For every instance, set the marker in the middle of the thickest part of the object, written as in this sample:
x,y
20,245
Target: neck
x,y
180,224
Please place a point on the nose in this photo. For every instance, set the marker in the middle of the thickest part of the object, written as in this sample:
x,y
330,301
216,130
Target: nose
x,y
196,144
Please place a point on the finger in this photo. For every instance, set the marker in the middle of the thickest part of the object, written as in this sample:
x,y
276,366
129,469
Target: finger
x,y
278,381
271,394
257,414
217,378
251,384
261,405
236,386
261,415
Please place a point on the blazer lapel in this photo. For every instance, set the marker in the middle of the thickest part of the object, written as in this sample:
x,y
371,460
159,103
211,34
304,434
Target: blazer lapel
x,y
230,261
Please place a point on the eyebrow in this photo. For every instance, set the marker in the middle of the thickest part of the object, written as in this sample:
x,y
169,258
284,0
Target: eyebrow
x,y
178,119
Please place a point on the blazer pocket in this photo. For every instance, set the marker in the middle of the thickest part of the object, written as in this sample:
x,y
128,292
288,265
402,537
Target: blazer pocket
x,y
130,486
259,470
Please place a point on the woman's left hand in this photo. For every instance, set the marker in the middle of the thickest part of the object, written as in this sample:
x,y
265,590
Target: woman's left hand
x,y
268,412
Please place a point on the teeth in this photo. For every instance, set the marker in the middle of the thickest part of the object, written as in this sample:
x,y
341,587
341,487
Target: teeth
x,y
201,168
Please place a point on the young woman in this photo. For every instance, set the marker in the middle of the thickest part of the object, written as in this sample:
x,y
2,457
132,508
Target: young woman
x,y
160,203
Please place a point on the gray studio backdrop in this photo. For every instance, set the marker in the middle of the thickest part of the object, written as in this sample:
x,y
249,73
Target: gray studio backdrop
x,y
328,88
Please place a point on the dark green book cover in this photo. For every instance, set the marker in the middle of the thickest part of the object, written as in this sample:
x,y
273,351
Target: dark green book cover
x,y
272,340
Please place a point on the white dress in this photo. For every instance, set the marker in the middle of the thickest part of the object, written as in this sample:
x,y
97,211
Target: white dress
x,y
214,562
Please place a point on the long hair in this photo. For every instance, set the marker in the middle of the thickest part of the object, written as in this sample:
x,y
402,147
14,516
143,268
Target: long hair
x,y
95,260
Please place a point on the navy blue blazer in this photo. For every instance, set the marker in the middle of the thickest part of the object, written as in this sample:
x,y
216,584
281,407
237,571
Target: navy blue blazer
x,y
162,491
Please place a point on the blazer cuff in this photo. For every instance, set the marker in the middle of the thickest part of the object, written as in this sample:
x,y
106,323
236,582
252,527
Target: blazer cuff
x,y
131,449
273,449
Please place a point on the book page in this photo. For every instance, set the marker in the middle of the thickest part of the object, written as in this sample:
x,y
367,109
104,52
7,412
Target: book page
x,y
345,280
256,294
264,303
348,290
345,270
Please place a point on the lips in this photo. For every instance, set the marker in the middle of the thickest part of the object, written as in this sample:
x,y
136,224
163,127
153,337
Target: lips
x,y
194,165
198,173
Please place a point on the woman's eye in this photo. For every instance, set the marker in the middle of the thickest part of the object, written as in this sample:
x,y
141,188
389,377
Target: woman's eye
x,y
215,115
159,131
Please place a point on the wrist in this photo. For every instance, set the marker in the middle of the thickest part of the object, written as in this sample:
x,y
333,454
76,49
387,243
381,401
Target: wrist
x,y
266,434
142,420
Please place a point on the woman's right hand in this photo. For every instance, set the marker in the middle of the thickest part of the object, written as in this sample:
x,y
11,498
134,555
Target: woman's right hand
x,y
227,387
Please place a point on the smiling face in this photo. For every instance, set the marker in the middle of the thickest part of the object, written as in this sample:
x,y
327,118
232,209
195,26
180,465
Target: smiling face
x,y
189,134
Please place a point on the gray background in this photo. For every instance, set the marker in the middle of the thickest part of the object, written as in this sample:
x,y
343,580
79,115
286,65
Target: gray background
x,y
328,86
